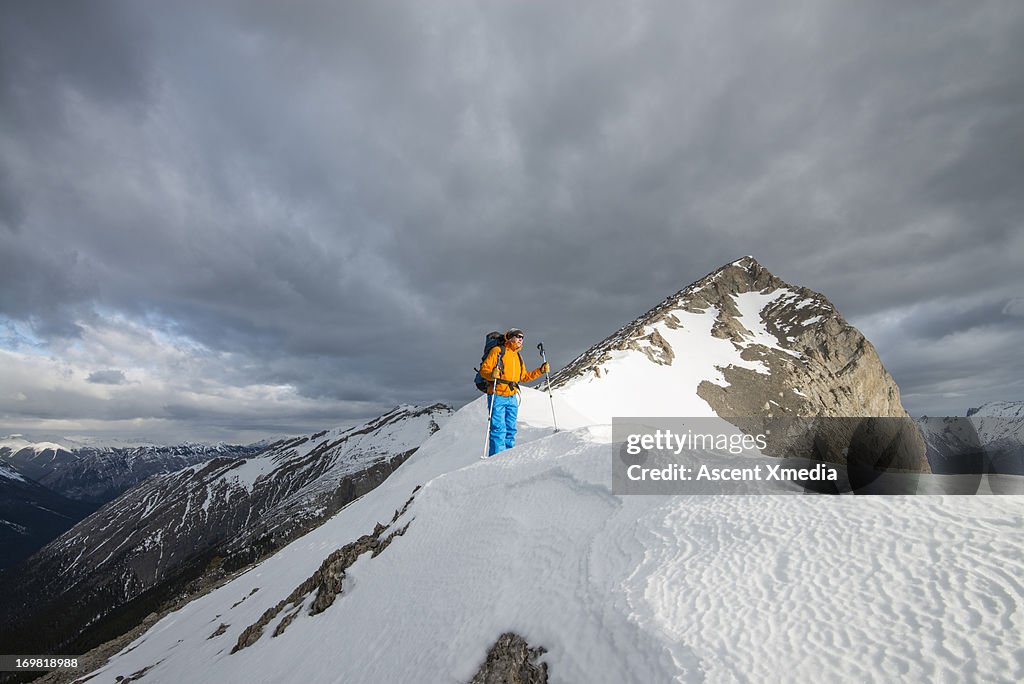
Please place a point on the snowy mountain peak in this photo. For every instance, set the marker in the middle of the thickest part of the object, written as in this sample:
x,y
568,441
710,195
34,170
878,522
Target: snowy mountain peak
x,y
35,459
15,443
732,298
744,274
739,342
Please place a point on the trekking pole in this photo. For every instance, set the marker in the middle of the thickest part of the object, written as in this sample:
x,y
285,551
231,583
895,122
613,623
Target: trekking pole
x,y
547,375
490,412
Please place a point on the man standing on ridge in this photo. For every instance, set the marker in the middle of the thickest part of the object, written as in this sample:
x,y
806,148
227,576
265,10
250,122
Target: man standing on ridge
x,y
505,364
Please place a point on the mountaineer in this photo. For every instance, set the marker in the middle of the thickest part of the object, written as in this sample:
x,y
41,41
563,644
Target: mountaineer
x,y
502,369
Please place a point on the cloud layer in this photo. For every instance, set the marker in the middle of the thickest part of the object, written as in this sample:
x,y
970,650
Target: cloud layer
x,y
222,217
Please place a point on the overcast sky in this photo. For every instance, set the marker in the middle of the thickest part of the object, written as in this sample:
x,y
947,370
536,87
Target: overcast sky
x,y
225,220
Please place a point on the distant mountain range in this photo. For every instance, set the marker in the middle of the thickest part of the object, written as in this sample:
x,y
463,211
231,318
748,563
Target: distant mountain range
x,y
56,486
100,474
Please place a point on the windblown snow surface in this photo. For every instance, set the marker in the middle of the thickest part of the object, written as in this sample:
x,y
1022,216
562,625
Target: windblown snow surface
x,y
618,588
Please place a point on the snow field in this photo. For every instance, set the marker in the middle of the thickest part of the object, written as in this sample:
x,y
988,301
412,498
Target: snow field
x,y
633,386
839,589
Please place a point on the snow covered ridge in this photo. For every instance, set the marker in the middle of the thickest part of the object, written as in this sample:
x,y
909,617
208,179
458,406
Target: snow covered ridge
x,y
223,512
1000,426
614,588
34,459
999,421
17,443
1000,409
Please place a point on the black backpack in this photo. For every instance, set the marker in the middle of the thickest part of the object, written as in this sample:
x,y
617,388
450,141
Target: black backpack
x,y
494,339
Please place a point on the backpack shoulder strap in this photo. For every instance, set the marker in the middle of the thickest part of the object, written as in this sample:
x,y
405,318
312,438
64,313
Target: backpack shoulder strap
x,y
499,369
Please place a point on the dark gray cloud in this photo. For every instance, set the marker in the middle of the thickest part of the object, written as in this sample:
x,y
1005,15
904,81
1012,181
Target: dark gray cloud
x,y
342,199
107,377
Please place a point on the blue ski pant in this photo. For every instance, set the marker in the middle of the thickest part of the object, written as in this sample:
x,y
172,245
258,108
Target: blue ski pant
x,y
504,412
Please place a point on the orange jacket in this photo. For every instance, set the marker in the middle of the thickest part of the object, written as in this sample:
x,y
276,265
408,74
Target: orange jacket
x,y
512,370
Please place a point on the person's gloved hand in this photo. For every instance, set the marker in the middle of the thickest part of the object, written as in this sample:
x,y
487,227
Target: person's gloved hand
x,y
545,367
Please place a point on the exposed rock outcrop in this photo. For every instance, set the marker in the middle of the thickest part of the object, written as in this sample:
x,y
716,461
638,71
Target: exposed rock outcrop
x,y
327,581
512,661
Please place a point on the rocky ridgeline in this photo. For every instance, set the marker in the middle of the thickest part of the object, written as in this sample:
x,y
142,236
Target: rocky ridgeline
x,y
103,474
818,365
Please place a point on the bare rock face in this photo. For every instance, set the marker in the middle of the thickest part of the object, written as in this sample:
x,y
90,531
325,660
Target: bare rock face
x,y
823,366
805,361
512,661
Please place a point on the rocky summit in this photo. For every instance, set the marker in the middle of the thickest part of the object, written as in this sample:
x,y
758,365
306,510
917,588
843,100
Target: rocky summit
x,y
788,353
